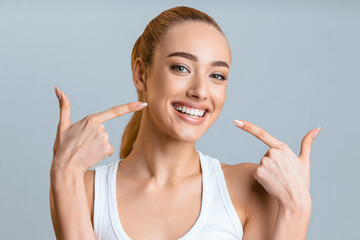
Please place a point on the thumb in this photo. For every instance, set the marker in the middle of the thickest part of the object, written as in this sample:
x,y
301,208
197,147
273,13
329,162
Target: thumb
x,y
306,145
64,103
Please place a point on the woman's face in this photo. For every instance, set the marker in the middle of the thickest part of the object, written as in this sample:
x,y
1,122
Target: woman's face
x,y
190,71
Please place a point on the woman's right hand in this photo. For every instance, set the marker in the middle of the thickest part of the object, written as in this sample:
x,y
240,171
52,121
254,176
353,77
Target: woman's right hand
x,y
82,145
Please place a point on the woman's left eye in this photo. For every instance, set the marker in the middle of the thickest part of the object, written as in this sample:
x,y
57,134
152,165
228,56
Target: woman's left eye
x,y
219,76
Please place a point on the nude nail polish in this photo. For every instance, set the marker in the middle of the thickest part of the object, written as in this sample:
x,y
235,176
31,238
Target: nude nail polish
x,y
239,123
317,132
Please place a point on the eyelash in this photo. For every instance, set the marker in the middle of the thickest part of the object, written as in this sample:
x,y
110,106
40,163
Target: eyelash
x,y
175,66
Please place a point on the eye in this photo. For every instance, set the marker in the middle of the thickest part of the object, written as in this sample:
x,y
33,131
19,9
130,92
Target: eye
x,y
179,68
219,77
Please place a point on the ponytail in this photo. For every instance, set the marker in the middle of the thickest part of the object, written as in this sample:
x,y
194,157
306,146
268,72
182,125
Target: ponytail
x,y
132,129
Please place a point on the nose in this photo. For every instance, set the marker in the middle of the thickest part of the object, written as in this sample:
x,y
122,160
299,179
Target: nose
x,y
198,87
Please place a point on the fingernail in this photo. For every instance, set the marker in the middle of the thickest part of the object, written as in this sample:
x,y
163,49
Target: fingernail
x,y
141,105
239,123
58,93
317,132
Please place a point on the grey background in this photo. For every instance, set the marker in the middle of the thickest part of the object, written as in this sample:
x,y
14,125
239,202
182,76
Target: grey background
x,y
295,67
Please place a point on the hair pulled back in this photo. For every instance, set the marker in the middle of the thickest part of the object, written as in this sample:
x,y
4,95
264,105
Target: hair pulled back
x,y
144,48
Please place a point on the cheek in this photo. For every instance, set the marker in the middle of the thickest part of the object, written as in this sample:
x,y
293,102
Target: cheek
x,y
219,95
161,90
173,85
166,86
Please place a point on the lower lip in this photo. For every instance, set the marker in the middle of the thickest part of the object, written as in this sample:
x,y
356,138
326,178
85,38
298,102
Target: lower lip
x,y
188,119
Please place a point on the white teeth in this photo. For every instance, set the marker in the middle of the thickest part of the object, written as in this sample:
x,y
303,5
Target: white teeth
x,y
196,113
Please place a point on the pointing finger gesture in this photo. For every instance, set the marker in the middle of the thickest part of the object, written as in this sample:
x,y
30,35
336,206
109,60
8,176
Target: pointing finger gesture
x,y
82,145
281,172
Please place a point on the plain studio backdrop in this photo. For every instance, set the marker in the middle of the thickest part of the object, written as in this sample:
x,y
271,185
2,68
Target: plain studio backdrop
x,y
295,67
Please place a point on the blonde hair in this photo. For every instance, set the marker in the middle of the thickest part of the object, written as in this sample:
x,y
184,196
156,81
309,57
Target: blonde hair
x,y
144,48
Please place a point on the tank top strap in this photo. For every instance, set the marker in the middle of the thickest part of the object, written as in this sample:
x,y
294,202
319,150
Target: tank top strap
x,y
112,202
103,175
99,193
225,196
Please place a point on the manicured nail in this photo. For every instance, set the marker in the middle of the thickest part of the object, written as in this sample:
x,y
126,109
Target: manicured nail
x,y
239,123
141,105
58,93
317,132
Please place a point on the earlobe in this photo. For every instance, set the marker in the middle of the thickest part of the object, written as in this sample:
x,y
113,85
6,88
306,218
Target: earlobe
x,y
139,74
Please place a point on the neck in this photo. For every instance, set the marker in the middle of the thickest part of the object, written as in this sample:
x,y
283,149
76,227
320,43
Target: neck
x,y
159,157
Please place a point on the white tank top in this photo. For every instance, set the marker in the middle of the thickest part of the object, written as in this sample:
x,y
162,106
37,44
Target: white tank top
x,y
217,220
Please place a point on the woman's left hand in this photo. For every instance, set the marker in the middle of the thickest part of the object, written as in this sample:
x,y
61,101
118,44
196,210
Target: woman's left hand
x,y
281,172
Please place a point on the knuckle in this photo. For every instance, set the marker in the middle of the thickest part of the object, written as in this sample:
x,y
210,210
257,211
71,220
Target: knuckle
x,y
112,110
265,161
259,172
109,149
101,128
308,144
106,136
86,118
271,151
284,146
116,109
90,118
261,134
63,106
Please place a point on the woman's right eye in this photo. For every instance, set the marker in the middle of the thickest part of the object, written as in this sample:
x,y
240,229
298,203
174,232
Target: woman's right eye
x,y
178,68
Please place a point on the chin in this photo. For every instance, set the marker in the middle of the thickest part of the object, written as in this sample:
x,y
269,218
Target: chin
x,y
189,136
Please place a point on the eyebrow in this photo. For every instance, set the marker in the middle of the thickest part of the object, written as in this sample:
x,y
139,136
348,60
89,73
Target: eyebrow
x,y
196,59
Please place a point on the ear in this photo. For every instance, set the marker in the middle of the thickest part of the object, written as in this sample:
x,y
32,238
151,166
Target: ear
x,y
139,74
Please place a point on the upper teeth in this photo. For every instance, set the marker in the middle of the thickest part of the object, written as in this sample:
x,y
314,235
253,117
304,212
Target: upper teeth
x,y
192,111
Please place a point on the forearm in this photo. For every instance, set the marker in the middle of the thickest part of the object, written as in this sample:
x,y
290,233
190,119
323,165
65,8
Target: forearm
x,y
71,207
293,221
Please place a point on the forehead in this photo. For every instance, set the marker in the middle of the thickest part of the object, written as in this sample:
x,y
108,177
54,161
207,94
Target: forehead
x,y
198,38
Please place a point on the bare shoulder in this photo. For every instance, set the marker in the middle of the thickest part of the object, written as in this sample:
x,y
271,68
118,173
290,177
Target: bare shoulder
x,y
248,195
239,178
89,179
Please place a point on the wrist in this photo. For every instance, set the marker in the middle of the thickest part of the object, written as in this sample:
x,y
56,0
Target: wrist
x,y
65,180
61,168
292,220
299,204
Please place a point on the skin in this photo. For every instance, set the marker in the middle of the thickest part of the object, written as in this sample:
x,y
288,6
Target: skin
x,y
163,171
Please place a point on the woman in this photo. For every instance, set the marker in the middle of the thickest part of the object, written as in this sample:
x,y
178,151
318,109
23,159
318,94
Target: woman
x,y
162,187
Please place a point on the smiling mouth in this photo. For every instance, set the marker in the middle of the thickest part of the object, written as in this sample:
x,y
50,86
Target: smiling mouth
x,y
194,113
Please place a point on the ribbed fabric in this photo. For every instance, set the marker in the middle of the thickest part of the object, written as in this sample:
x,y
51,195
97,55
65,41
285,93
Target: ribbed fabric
x,y
218,219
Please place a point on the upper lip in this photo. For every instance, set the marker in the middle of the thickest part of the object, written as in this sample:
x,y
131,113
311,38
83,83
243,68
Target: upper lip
x,y
193,105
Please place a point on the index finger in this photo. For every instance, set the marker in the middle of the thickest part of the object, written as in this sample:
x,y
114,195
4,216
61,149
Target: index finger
x,y
117,111
261,134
